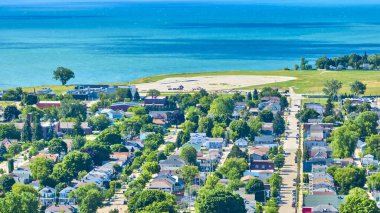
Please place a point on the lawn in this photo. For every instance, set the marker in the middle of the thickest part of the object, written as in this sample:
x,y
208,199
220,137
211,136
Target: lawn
x,y
57,89
307,82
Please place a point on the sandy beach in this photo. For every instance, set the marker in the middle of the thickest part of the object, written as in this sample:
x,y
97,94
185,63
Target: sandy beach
x,y
211,83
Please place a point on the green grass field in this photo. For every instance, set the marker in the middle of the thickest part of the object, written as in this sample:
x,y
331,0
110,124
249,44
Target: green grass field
x,y
307,82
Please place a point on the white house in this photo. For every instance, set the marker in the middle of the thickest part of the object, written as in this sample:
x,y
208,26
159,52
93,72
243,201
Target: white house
x,y
241,142
112,114
47,196
64,196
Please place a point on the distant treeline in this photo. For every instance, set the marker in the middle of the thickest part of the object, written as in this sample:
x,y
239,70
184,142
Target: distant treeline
x,y
346,62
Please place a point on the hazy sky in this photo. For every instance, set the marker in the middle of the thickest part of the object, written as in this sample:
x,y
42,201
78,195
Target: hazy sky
x,y
340,2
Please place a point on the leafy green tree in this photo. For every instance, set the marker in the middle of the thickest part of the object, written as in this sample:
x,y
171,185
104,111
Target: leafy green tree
x,y
56,146
239,129
205,125
275,182
218,201
344,140
189,173
100,122
77,129
6,183
358,88
152,201
153,92
189,155
254,185
30,99
153,141
278,125
98,152
118,148
249,96
19,188
19,203
110,136
358,201
14,149
329,108
11,112
236,153
279,160
11,165
37,131
222,106
373,146
63,75
189,126
237,97
349,177
123,93
373,181
331,88
305,114
266,116
255,95
218,131
136,96
367,123
78,142
89,197
233,168
254,125
76,161
41,168
175,118
272,206
178,141
152,167
26,133
9,131
72,109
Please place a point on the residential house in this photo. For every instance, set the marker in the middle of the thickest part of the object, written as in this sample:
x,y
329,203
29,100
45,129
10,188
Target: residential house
x,y
61,208
315,106
241,142
258,152
123,106
111,114
168,183
265,140
22,175
320,152
172,163
317,203
159,117
64,196
215,143
369,160
67,127
48,104
267,129
8,142
317,131
262,165
308,144
198,138
260,174
155,101
47,196
124,157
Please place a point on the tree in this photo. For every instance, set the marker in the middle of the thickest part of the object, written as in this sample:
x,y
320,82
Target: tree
x,y
348,178
254,185
255,95
373,182
37,131
236,153
373,146
30,99
100,122
279,160
329,108
218,201
296,67
249,96
218,132
19,203
6,183
305,114
152,201
19,188
110,136
175,118
239,129
331,88
26,134
266,116
9,131
278,124
205,125
358,88
254,125
237,97
78,143
189,173
11,112
222,106
178,141
123,93
233,168
367,123
98,152
63,75
57,146
344,140
41,168
77,129
189,155
136,96
11,165
72,109
89,197
14,149
76,161
358,201
118,148
153,93
152,167
284,102
303,63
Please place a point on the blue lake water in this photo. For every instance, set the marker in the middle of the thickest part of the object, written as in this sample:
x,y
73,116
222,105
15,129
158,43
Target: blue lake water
x,y
113,42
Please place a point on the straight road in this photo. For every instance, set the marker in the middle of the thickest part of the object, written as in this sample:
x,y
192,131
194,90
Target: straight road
x,y
289,171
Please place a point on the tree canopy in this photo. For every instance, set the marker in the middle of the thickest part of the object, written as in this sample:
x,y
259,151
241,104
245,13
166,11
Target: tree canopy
x,y
219,201
63,75
358,201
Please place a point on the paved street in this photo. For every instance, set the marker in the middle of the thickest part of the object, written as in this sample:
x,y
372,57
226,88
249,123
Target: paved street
x,y
289,171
